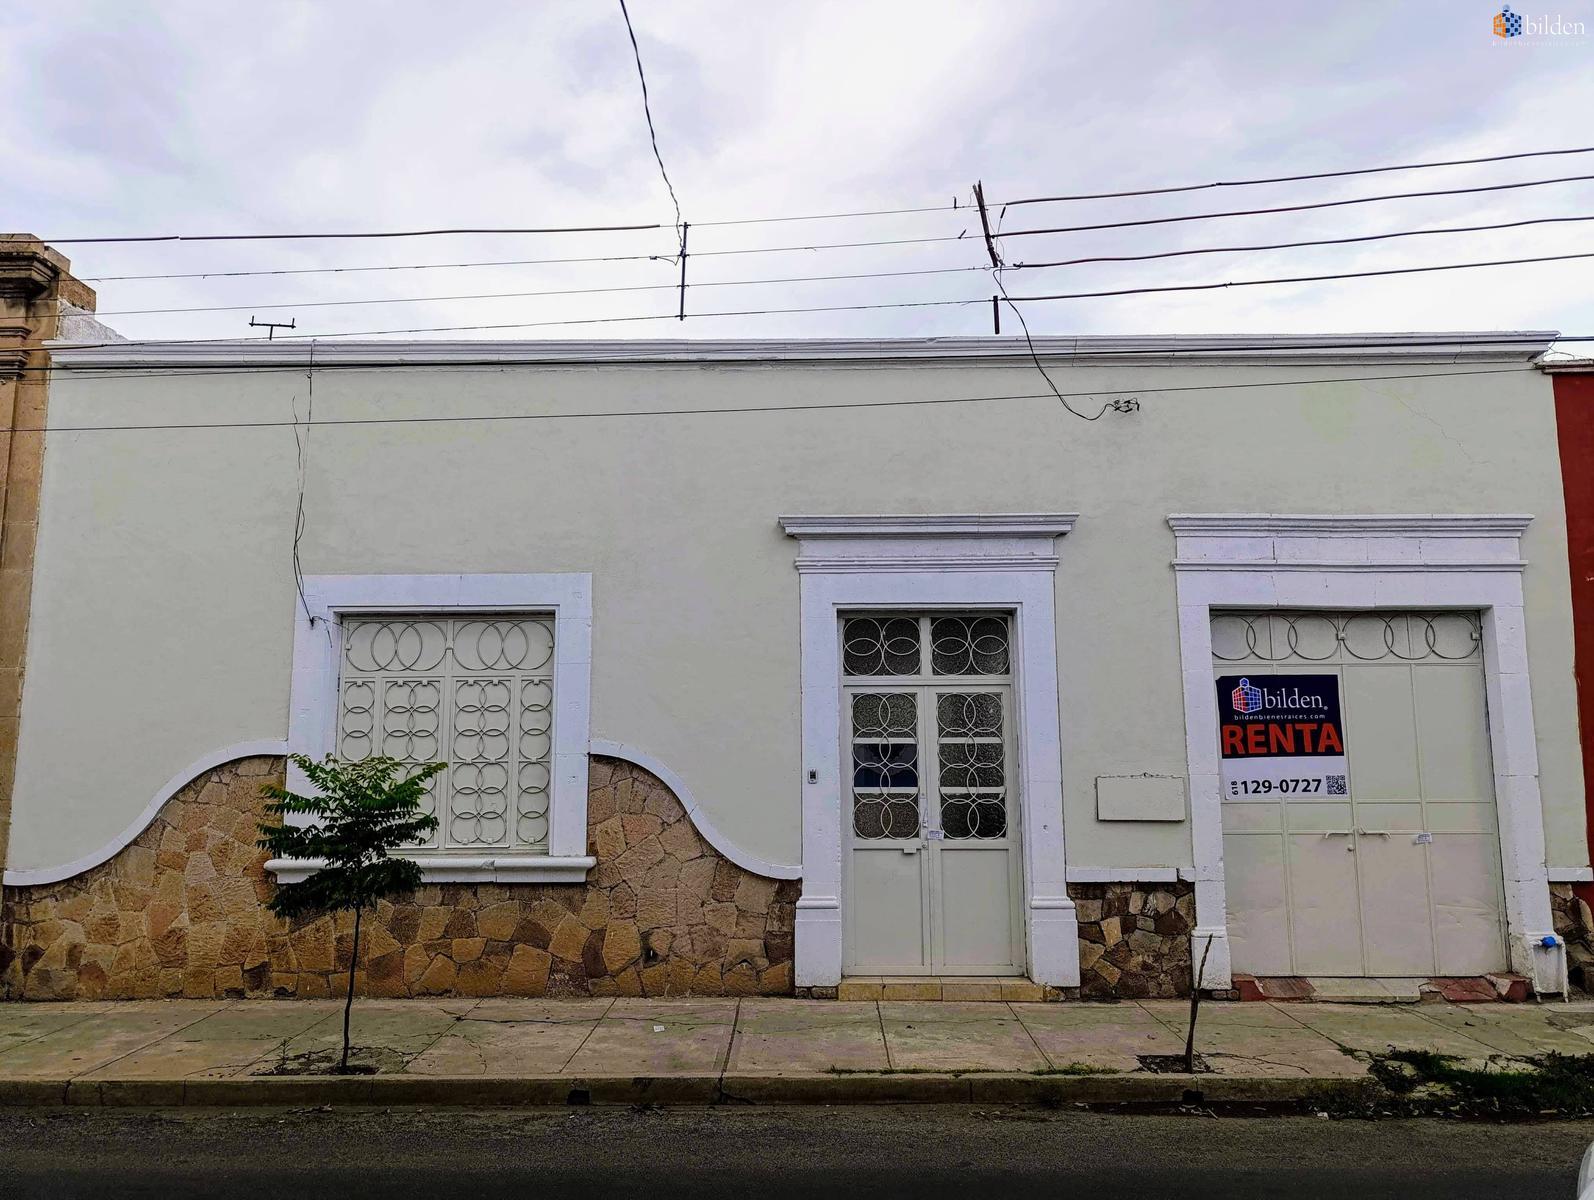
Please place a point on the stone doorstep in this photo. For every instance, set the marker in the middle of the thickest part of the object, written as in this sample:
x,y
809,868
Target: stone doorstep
x,y
1467,989
950,988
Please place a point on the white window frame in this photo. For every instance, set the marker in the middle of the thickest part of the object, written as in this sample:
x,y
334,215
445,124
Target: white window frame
x,y
923,564
1351,562
312,719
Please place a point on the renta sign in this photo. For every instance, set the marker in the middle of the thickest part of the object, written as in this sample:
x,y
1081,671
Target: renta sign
x,y
1281,735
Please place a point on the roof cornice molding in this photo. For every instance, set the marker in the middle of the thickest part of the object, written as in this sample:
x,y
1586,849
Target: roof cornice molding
x,y
1333,349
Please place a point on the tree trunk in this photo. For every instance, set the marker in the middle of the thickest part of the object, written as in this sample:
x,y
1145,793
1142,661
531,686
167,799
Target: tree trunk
x,y
348,1002
1195,1006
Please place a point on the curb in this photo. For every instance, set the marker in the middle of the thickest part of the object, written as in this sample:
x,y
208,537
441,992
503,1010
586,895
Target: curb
x,y
1095,1091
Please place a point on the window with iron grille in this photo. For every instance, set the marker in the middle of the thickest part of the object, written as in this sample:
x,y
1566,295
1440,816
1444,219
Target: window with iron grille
x,y
475,692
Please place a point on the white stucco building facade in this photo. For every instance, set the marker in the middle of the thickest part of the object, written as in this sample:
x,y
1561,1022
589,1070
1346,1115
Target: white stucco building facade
x,y
918,653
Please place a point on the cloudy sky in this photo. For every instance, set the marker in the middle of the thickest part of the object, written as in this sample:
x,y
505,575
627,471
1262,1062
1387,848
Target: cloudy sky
x,y
128,117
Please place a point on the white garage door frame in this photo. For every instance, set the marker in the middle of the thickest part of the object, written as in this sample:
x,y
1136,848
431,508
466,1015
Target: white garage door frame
x,y
1470,562
1001,561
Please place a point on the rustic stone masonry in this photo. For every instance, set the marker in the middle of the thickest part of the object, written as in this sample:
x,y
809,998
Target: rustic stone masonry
x,y
180,912
1575,923
1134,939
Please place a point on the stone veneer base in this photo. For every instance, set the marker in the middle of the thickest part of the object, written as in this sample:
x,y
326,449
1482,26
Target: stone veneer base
x,y
1575,923
1134,939
180,912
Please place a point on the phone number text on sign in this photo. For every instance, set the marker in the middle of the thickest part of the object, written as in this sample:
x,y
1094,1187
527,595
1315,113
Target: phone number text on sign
x,y
1330,785
1281,735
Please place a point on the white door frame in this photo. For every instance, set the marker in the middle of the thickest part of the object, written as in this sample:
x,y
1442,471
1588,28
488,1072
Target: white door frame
x,y
998,561
1258,561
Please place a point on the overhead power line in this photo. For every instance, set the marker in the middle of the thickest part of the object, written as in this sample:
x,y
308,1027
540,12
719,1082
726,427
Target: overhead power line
x,y
660,287
647,110
1206,287
981,300
450,266
530,262
1228,183
833,216
641,287
391,233
747,312
869,212
1288,208
1371,237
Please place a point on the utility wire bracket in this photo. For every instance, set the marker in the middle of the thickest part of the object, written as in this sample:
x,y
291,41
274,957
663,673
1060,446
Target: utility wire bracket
x,y
985,224
990,248
271,327
681,313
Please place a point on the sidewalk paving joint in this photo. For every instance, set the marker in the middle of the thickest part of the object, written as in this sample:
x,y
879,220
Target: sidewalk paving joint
x,y
758,1049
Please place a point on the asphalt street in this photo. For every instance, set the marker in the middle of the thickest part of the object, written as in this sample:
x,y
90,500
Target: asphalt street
x,y
769,1153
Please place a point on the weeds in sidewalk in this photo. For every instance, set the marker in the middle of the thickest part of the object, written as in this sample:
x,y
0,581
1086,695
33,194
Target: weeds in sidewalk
x,y
1422,1083
1075,1069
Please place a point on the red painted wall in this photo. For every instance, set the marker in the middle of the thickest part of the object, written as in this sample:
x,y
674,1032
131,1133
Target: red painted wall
x,y
1574,419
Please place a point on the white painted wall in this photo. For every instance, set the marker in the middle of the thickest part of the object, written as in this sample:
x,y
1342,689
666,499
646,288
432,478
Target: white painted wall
x,y
164,595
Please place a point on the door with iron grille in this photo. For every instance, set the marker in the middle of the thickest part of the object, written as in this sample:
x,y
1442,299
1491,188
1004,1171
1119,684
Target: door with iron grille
x,y
933,848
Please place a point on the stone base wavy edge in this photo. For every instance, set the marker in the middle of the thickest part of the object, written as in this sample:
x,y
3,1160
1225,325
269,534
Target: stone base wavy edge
x,y
180,912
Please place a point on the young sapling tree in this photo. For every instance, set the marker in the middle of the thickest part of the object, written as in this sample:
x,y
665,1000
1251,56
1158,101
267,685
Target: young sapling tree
x,y
363,812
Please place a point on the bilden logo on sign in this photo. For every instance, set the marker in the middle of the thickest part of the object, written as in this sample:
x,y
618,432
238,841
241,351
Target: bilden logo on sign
x,y
1281,735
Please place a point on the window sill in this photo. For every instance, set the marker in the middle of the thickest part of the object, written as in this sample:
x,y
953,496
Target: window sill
x,y
448,868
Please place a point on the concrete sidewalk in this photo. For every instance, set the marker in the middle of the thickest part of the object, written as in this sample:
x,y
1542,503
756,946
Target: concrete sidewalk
x,y
559,1051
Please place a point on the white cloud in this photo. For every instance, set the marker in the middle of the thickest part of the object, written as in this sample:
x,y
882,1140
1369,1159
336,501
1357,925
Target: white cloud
x,y
202,118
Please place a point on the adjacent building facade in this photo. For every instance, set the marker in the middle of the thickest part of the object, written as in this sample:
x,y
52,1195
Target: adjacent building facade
x,y
761,666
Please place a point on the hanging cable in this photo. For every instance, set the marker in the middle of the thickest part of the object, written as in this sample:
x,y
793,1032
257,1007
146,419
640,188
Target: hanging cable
x,y
996,278
1289,208
1207,287
647,110
643,287
1371,237
682,227
530,262
877,212
759,312
1231,183
297,237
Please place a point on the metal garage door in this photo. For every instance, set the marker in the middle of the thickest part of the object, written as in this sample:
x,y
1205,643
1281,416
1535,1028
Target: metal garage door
x,y
1400,874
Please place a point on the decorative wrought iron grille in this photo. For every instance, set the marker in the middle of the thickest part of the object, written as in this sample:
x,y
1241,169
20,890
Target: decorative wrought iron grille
x,y
1278,636
957,790
908,646
476,692
973,764
885,765
968,646
880,646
